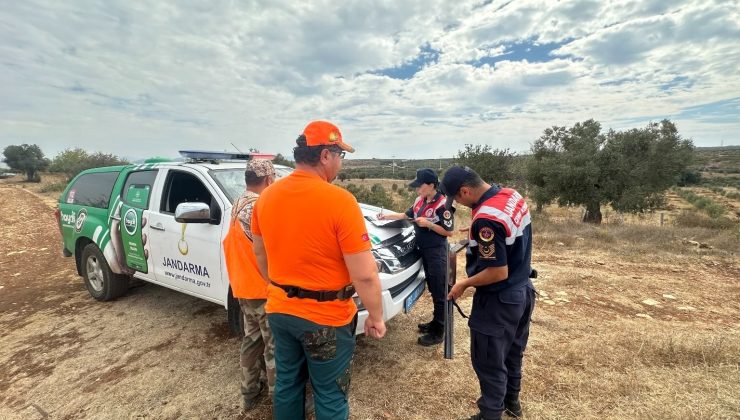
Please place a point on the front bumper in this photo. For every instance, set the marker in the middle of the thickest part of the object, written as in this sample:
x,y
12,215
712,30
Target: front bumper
x,y
393,299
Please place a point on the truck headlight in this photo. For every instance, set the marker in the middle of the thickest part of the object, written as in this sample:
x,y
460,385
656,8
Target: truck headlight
x,y
386,261
382,268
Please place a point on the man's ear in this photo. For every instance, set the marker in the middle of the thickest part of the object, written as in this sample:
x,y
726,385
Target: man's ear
x,y
464,189
325,154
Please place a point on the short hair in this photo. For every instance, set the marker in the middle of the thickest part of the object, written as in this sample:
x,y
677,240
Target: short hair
x,y
309,155
472,180
252,180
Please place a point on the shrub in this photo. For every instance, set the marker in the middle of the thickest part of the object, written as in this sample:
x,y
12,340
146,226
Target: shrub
x,y
73,161
693,219
712,208
715,210
375,196
53,187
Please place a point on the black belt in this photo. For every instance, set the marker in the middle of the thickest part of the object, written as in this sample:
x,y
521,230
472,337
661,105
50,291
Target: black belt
x,y
320,295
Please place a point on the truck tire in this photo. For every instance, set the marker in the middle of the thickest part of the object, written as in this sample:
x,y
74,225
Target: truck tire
x,y
101,282
235,318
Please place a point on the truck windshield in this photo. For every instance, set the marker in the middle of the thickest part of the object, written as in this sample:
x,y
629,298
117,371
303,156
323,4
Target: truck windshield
x,y
231,181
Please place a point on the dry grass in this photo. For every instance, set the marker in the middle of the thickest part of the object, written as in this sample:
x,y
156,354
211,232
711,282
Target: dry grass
x,y
597,350
631,369
49,189
632,322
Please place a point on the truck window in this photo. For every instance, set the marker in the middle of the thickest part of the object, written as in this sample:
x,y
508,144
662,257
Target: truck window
x,y
137,189
183,187
92,189
231,181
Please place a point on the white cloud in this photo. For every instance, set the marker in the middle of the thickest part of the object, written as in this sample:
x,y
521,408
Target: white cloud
x,y
149,78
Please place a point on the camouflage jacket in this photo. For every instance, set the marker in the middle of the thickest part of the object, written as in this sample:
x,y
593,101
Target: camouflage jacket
x,y
243,210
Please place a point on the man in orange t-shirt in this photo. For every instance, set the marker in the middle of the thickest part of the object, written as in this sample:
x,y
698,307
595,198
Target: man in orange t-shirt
x,y
311,242
257,352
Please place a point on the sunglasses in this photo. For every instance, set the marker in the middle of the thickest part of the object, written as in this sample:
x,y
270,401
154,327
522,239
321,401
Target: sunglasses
x,y
338,151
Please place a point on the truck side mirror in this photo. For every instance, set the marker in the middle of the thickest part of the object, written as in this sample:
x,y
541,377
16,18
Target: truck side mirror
x,y
193,213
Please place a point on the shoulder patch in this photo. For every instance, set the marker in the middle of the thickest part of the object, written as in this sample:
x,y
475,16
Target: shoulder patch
x,y
447,214
487,251
486,234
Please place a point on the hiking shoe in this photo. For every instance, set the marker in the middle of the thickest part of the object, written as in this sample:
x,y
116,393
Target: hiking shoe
x,y
436,335
512,406
430,339
425,327
478,416
250,403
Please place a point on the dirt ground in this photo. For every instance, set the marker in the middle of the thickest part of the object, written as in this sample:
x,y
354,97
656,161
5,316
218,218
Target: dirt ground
x,y
629,324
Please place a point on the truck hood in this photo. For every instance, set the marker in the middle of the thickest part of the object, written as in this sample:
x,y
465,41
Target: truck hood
x,y
378,234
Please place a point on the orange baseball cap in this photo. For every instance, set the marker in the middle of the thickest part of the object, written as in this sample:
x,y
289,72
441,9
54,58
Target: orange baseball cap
x,y
324,133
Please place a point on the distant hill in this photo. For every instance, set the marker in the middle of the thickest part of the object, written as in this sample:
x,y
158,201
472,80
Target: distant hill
x,y
718,166
719,158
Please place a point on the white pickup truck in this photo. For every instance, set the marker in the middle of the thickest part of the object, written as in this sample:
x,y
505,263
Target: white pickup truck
x,y
120,222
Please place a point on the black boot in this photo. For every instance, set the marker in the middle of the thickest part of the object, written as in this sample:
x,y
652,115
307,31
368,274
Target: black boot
x,y
425,327
512,406
478,416
436,335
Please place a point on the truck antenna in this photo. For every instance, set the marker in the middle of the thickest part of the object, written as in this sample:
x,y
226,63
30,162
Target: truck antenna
x,y
237,149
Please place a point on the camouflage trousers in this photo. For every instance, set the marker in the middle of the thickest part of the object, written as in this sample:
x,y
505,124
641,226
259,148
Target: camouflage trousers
x,y
257,353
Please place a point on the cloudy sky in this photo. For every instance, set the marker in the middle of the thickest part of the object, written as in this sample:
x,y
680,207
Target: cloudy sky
x,y
410,79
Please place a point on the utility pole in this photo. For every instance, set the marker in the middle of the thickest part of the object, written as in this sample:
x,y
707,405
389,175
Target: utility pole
x,y
393,165
440,163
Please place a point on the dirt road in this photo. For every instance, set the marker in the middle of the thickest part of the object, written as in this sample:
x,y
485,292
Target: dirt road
x,y
606,341
154,353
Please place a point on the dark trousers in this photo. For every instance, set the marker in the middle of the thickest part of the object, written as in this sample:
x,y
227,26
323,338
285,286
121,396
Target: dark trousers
x,y
435,263
302,349
499,329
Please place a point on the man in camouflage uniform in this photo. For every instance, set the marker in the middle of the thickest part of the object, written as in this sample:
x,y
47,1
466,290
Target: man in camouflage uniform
x,y
257,353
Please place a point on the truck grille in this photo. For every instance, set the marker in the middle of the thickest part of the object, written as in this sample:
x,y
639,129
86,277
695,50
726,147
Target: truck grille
x,y
409,259
400,287
403,247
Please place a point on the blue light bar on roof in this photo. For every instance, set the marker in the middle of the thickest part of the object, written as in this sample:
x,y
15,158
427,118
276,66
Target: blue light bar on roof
x,y
205,155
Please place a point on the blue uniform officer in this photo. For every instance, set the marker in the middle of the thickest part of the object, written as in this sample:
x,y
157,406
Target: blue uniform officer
x,y
498,266
433,224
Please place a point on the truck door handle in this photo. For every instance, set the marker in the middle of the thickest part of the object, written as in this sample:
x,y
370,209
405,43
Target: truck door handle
x,y
158,226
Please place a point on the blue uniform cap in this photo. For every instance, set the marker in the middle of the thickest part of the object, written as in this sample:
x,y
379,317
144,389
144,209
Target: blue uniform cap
x,y
424,176
452,181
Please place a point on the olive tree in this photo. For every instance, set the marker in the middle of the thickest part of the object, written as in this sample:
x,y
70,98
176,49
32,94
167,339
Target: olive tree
x,y
26,158
493,165
629,169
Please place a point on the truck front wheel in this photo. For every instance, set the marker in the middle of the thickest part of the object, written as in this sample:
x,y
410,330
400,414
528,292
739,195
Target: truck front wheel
x,y
101,282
